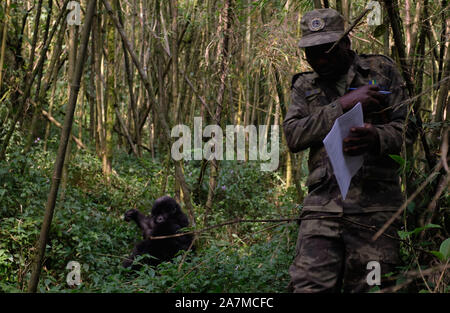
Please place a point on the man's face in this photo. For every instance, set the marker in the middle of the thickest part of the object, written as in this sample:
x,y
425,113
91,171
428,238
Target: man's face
x,y
328,65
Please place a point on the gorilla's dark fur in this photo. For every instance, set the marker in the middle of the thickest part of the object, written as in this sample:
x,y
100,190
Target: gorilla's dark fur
x,y
166,218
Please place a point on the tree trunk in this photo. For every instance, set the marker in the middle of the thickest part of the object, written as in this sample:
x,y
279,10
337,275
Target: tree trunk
x,y
129,79
443,40
346,12
408,26
223,47
34,280
4,35
386,35
110,98
443,100
73,44
97,55
318,4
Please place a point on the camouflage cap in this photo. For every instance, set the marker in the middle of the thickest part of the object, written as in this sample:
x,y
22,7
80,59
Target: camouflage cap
x,y
321,26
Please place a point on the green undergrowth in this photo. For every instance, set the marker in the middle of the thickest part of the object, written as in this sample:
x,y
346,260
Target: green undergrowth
x,y
88,226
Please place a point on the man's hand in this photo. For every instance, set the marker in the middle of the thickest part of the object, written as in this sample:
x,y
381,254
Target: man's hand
x,y
361,140
368,95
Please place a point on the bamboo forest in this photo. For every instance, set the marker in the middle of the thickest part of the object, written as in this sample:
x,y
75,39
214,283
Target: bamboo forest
x,y
180,146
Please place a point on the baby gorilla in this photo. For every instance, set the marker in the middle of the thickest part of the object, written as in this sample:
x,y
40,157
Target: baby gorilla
x,y
166,218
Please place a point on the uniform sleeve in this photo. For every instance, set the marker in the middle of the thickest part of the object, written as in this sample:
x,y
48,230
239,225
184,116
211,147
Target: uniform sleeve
x,y
303,129
391,134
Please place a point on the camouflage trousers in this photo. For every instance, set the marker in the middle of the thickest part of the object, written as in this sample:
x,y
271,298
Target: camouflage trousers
x,y
332,254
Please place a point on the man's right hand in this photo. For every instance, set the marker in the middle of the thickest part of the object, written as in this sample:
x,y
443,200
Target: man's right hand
x,y
368,95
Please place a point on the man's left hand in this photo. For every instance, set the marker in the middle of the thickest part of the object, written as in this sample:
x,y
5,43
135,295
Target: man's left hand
x,y
361,140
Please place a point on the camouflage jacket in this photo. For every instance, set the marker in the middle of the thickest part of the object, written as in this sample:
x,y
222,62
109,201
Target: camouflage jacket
x,y
312,112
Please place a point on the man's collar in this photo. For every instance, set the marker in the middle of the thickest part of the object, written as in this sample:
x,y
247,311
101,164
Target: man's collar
x,y
361,66
314,77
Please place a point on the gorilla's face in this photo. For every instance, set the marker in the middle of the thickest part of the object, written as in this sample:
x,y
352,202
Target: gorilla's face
x,y
161,217
163,209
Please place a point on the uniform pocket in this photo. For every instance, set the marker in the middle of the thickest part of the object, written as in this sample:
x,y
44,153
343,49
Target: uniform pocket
x,y
316,177
379,174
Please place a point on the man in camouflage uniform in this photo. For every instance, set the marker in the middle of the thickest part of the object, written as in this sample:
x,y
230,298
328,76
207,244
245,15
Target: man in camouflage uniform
x,y
334,245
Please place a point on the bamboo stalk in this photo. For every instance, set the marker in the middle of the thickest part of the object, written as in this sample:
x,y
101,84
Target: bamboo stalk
x,y
51,200
5,33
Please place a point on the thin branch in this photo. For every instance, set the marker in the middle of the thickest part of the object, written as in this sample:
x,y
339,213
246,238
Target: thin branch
x,y
413,275
408,201
58,124
355,22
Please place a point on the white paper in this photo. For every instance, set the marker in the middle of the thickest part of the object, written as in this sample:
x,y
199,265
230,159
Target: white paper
x,y
344,166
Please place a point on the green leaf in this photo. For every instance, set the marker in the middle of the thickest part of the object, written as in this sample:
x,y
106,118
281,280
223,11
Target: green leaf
x,y
397,159
411,206
445,248
420,229
380,30
374,289
438,254
403,234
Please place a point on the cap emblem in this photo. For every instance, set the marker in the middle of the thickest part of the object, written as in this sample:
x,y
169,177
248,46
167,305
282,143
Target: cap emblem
x,y
316,24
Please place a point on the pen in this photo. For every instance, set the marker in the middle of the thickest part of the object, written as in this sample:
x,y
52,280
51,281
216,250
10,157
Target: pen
x,y
383,92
